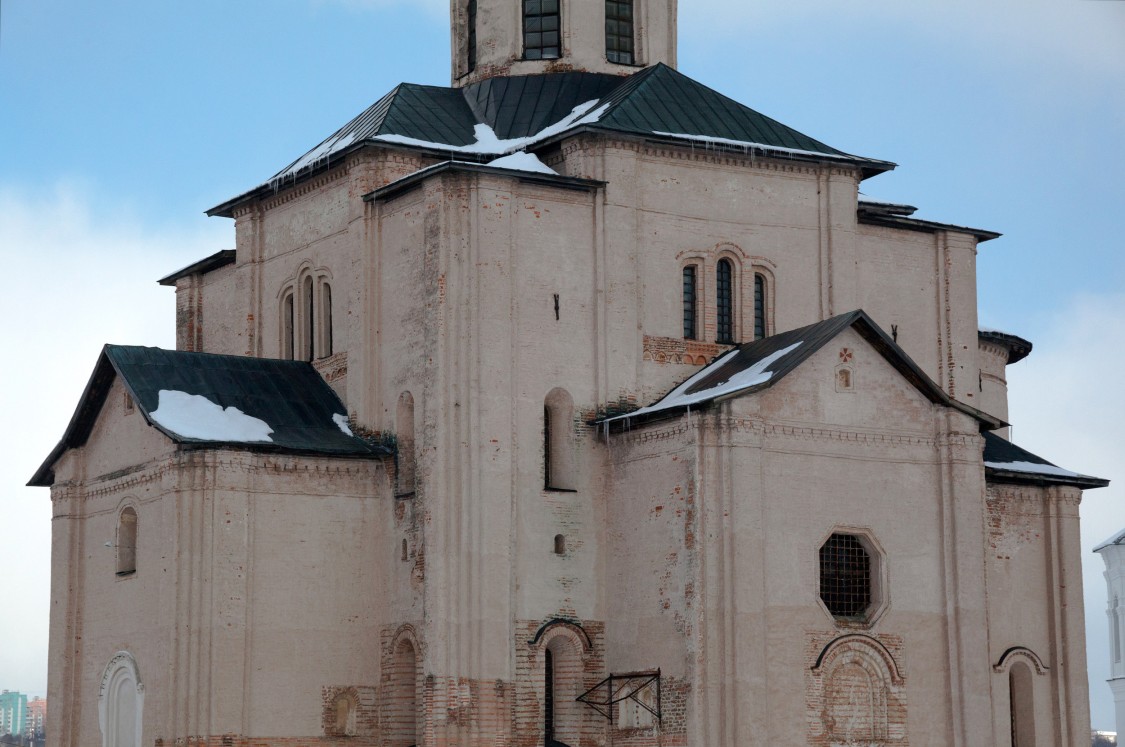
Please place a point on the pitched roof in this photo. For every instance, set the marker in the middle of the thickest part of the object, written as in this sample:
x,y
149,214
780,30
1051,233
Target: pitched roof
x,y
218,400
758,365
1006,462
657,103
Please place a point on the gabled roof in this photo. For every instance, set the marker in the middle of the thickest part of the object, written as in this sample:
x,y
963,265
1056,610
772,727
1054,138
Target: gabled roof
x,y
212,400
1006,462
656,103
758,365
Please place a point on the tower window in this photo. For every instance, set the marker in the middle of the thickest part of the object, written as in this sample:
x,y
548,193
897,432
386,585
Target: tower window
x,y
541,30
724,302
288,317
689,303
308,351
619,31
471,21
845,576
759,306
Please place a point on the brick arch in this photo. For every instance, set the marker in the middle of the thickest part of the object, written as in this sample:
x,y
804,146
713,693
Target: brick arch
x,y
858,693
567,647
402,689
341,711
1018,653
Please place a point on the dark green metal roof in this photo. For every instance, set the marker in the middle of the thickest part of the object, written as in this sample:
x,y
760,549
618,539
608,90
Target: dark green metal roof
x,y
656,103
289,396
791,349
1006,462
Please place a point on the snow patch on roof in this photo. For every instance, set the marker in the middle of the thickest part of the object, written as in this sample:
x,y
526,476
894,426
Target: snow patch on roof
x,y
341,422
747,146
523,161
1116,539
314,157
489,142
195,416
1034,468
744,379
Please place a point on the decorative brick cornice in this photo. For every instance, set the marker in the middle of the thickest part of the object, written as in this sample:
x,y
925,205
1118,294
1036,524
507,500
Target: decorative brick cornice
x,y
288,194
679,350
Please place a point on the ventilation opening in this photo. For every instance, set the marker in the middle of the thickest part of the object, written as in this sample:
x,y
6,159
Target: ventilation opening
x,y
560,544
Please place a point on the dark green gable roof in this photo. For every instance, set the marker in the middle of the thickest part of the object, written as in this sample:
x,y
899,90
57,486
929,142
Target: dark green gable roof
x,y
288,396
657,103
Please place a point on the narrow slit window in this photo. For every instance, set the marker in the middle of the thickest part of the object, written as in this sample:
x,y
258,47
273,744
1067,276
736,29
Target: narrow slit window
x,y
127,542
759,307
308,351
619,31
547,446
724,302
690,327
560,544
541,30
326,320
471,21
287,319
548,696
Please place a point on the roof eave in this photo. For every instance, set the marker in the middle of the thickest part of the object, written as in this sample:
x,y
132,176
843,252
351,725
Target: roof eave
x,y
1086,482
925,226
411,181
217,260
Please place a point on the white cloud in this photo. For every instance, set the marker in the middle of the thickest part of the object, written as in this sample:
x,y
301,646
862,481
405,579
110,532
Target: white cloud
x,y
79,275
1067,407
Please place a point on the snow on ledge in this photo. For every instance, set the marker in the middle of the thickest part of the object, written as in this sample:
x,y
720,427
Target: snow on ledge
x,y
523,161
195,416
1034,468
341,422
747,145
488,142
1116,539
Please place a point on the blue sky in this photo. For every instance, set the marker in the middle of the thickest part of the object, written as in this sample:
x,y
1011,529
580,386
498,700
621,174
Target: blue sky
x,y
122,121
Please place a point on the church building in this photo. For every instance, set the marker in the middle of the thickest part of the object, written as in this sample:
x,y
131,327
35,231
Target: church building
x,y
574,404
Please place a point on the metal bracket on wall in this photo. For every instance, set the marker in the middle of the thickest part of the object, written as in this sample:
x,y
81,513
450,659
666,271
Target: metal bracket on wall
x,y
628,686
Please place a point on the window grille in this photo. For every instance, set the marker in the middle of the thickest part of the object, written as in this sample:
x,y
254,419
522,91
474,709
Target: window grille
x,y
759,307
724,298
619,31
689,303
541,40
471,13
845,576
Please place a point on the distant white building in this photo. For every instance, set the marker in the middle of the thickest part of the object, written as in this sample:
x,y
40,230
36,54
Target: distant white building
x,y
1113,553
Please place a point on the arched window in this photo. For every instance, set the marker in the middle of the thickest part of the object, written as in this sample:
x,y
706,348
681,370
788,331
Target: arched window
x,y
724,302
402,700
1022,705
121,703
127,541
691,329
541,30
308,351
619,31
288,318
325,320
560,544
562,684
760,330
558,449
404,422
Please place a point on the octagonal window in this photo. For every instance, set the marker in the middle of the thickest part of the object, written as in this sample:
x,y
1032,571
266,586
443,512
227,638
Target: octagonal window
x,y
846,576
